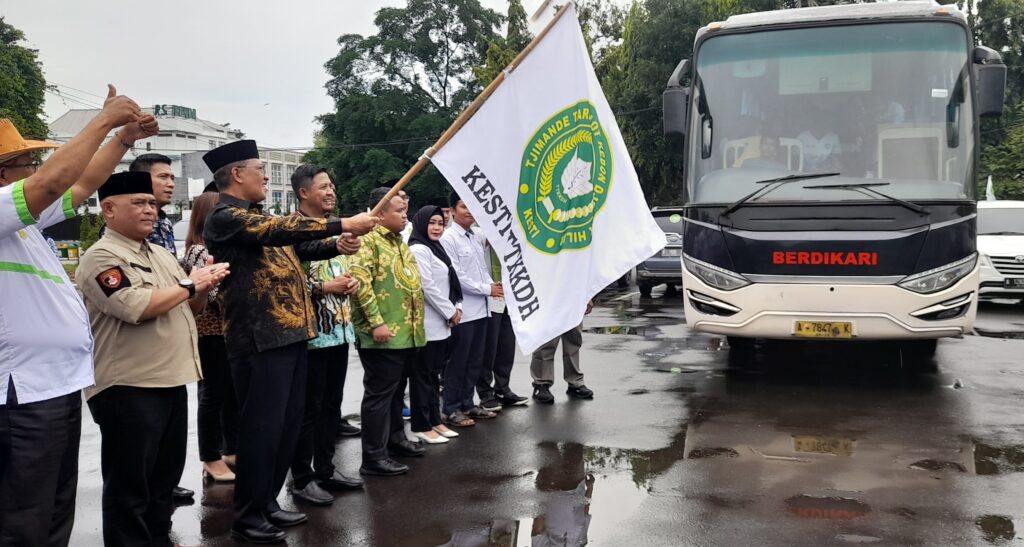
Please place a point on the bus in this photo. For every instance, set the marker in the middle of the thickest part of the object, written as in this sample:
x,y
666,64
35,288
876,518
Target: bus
x,y
830,167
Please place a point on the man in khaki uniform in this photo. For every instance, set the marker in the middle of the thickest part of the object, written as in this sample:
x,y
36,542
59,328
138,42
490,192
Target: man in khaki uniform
x,y
139,301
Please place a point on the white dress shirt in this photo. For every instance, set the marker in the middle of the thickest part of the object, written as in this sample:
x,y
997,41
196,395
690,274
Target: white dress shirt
x,y
466,252
436,292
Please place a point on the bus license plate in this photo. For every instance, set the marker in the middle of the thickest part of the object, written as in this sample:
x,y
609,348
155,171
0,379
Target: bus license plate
x,y
670,252
1014,282
824,329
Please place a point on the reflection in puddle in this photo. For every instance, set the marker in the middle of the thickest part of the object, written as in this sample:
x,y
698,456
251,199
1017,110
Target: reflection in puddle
x,y
700,453
992,460
623,329
936,465
1011,335
995,528
826,508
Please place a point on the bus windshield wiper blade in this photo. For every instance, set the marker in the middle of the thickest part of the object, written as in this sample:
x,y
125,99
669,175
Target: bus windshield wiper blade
x,y
1002,233
869,188
768,188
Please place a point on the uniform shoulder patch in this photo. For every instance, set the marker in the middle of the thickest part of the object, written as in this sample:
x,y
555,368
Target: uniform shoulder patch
x,y
112,280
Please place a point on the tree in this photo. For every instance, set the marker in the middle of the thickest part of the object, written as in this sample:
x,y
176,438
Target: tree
x,y
89,229
396,91
999,24
502,51
21,84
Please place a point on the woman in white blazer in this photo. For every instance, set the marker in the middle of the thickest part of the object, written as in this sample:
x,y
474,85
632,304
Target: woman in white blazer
x,y
443,296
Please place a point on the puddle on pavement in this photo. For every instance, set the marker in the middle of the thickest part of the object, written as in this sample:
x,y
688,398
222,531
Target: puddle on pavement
x,y
996,529
994,460
702,452
624,329
832,508
936,465
583,494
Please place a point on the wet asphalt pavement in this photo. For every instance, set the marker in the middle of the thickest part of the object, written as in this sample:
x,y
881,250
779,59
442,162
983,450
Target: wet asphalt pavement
x,y
685,445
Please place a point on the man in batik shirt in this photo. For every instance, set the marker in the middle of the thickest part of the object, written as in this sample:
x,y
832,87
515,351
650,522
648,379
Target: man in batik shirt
x,y
388,319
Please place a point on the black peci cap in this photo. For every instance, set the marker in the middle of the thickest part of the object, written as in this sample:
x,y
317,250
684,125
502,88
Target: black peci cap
x,y
127,182
230,153
212,187
453,198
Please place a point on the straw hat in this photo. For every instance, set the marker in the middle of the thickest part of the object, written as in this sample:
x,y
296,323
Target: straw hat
x,y
13,145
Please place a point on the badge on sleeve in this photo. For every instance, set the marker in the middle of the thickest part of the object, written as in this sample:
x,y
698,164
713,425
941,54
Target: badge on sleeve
x,y
112,280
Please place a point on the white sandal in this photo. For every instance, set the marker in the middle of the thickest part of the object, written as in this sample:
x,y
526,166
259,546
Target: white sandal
x,y
428,439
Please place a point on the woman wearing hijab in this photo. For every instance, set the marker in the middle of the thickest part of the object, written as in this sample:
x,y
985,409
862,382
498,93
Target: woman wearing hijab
x,y
443,295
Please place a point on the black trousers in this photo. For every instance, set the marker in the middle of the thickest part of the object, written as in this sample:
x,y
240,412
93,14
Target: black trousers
x,y
499,354
217,416
325,384
465,363
425,386
39,469
271,391
384,370
144,434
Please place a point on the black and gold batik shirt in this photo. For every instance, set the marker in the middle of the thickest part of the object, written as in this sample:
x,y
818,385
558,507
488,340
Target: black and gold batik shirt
x,y
266,299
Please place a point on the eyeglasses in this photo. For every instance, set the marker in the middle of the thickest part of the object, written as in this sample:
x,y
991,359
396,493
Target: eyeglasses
x,y
33,166
261,168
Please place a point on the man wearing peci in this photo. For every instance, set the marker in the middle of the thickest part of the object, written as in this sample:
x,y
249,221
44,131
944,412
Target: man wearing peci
x,y
268,321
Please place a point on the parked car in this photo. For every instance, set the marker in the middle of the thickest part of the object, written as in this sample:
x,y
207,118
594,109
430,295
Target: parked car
x,y
180,230
1001,249
667,266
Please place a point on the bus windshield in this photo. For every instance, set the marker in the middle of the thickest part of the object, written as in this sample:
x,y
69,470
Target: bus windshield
x,y
886,102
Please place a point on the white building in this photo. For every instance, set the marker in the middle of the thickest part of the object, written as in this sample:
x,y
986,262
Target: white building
x,y
181,133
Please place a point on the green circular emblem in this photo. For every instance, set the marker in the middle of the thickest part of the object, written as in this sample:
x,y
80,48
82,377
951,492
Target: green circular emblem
x,y
564,179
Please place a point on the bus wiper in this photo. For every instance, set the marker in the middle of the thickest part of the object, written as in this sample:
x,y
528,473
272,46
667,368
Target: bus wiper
x,y
869,188
1002,234
772,184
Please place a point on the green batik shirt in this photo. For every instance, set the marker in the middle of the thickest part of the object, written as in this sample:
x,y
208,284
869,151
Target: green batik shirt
x,y
390,292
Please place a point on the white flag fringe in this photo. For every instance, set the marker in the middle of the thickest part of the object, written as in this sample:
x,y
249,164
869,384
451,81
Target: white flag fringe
x,y
544,170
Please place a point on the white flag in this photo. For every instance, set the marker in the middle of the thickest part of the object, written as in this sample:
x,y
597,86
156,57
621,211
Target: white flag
x,y
990,194
543,168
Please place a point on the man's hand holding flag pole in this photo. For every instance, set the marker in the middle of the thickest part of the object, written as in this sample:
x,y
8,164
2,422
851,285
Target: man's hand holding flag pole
x,y
539,160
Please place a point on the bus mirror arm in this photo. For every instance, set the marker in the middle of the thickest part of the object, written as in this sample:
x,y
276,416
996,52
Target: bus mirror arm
x,y
675,101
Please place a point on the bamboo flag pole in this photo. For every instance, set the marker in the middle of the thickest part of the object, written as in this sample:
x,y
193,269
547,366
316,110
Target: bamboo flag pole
x,y
467,113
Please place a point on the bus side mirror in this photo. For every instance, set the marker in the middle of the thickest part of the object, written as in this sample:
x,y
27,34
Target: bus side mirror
x,y
675,102
990,79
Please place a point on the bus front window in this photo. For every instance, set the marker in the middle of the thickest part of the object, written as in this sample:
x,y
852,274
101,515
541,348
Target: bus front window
x,y
879,102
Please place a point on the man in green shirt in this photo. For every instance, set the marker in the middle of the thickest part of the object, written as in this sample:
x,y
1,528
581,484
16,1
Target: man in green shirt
x,y
389,328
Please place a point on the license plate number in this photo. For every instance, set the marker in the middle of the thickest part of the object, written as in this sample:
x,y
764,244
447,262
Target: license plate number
x,y
1014,282
824,329
813,444
670,252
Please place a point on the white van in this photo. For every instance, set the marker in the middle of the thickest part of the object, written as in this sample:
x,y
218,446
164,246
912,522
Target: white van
x,y
1001,248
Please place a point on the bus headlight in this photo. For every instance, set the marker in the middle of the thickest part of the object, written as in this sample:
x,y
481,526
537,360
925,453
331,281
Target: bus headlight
x,y
718,278
940,278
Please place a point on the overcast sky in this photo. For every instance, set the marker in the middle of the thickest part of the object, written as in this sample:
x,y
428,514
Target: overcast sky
x,y
256,64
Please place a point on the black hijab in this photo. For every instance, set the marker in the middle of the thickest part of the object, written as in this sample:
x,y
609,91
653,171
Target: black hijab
x,y
419,236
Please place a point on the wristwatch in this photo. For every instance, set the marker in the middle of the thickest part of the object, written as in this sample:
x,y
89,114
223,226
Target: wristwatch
x,y
188,284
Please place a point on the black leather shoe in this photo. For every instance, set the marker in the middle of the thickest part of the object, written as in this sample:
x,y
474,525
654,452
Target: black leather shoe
x,y
341,482
263,534
406,448
313,494
284,519
182,494
386,468
542,394
580,392
346,429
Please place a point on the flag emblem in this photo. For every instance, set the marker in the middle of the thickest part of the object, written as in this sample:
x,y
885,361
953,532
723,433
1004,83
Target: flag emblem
x,y
564,178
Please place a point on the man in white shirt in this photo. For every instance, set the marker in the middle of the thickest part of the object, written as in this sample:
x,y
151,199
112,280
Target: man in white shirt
x,y
465,363
45,341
